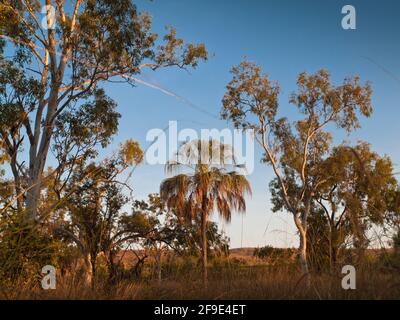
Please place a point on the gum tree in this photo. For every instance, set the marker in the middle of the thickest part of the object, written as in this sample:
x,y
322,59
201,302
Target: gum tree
x,y
60,60
295,150
356,194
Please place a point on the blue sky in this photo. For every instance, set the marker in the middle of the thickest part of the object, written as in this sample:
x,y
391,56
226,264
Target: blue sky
x,y
285,38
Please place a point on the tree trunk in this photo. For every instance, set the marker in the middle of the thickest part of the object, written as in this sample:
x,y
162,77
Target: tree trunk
x,y
35,181
335,251
93,265
88,270
303,257
112,268
331,260
137,269
17,181
32,201
159,266
38,154
334,248
302,228
204,247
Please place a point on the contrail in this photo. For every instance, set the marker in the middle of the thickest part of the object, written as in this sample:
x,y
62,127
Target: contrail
x,y
388,72
151,85
145,83
171,94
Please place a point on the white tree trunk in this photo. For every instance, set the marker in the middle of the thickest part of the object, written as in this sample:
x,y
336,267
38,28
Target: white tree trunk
x,y
302,228
88,270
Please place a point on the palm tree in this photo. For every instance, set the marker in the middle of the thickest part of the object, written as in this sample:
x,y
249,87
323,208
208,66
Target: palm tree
x,y
205,186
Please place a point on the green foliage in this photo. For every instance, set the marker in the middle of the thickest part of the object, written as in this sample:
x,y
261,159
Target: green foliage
x,y
23,253
358,191
93,123
207,188
296,151
164,227
19,96
50,96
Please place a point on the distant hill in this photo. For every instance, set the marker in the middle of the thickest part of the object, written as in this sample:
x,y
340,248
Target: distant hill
x,y
129,258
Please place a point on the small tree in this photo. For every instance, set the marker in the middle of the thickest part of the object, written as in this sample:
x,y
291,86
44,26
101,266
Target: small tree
x,y
93,203
166,234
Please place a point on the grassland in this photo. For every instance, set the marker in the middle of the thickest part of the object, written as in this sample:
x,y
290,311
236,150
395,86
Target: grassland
x,y
241,276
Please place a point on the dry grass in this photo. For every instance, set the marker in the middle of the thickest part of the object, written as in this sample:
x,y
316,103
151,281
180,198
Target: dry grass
x,y
241,276
225,283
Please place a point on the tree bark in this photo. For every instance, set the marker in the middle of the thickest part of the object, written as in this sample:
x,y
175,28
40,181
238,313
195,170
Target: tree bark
x,y
88,270
32,201
112,268
17,181
204,247
334,257
331,263
35,177
334,248
303,257
302,228
93,265
39,148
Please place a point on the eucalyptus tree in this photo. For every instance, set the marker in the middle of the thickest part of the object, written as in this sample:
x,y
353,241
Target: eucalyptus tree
x,y
60,60
356,195
206,180
295,150
357,192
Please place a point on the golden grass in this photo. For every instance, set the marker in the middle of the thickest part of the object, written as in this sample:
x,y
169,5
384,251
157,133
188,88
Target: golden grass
x,y
224,283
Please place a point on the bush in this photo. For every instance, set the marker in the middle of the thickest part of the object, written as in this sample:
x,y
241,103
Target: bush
x,y
23,253
275,255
